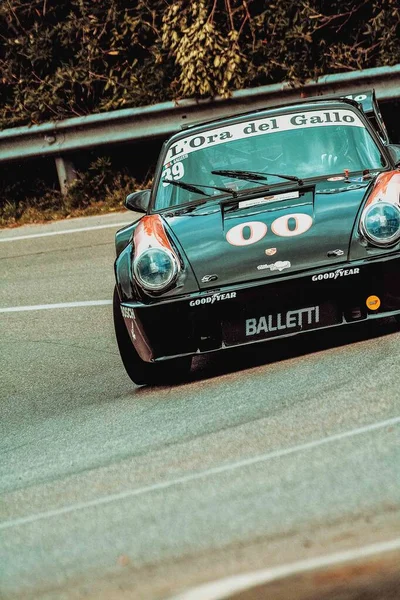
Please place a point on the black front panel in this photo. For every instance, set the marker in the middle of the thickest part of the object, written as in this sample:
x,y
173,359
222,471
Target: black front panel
x,y
233,316
253,325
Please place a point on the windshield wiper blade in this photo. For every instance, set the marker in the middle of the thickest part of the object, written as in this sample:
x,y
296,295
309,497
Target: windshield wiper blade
x,y
191,187
288,177
255,175
241,174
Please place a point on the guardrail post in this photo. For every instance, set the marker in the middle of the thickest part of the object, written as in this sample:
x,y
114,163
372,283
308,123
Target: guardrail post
x,y
66,173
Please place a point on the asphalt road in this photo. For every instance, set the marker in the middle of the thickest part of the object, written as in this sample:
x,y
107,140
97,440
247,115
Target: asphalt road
x,y
285,452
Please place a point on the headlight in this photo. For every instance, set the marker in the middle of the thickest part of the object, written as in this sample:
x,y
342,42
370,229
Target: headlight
x,y
155,269
380,223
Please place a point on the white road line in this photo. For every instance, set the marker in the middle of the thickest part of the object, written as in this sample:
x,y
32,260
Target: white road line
x,y
55,306
197,475
224,588
63,232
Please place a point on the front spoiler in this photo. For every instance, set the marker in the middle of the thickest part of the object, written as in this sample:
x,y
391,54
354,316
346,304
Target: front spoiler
x,y
215,319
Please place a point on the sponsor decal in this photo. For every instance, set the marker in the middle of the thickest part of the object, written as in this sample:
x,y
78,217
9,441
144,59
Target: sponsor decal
x,y
266,199
373,302
350,186
270,251
336,252
127,312
174,160
208,278
338,178
218,297
336,274
277,266
262,126
282,321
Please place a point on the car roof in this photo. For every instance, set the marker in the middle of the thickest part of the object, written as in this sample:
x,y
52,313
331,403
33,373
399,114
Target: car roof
x,y
307,103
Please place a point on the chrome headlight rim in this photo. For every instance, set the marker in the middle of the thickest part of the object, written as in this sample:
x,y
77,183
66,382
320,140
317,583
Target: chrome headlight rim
x,y
175,268
390,241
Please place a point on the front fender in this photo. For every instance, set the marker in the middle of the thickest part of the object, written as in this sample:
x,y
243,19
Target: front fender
x,y
129,289
123,278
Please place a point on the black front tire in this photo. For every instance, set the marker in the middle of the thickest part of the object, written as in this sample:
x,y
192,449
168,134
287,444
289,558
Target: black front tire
x,y
141,372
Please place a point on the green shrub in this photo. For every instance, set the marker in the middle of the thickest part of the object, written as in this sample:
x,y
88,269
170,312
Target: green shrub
x,y
75,57
100,188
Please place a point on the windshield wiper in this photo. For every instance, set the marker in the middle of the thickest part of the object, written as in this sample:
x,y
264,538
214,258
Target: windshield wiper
x,y
255,175
191,187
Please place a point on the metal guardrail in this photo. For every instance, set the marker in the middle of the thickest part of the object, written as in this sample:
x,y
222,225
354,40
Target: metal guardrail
x,y
61,138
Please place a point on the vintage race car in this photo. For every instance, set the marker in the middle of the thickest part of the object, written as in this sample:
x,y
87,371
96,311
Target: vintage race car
x,y
259,226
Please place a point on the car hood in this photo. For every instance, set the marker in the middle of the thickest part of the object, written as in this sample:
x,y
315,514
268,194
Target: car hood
x,y
267,234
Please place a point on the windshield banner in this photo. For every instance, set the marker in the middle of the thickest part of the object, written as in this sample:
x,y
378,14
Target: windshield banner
x,y
247,129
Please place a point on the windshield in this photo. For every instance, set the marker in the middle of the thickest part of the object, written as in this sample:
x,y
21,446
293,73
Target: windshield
x,y
305,144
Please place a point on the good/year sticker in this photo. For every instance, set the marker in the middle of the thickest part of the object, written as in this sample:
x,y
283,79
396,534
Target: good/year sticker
x,y
336,274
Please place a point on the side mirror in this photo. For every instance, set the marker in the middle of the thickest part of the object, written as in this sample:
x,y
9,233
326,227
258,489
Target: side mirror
x,y
394,151
138,201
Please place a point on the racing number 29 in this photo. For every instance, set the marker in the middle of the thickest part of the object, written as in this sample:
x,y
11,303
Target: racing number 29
x,y
251,232
176,171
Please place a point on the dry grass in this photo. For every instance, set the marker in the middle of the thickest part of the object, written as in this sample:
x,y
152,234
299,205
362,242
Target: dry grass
x,y
99,190
33,214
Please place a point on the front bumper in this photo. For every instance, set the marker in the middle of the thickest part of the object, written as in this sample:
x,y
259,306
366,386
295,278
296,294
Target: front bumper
x,y
253,312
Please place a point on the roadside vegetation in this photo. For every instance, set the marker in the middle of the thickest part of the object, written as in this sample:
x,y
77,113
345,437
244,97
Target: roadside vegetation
x,y
100,188
67,58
